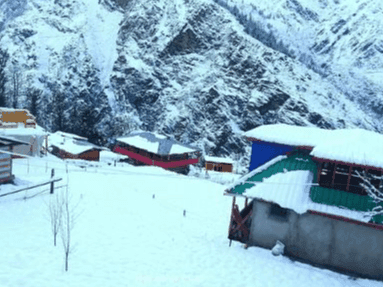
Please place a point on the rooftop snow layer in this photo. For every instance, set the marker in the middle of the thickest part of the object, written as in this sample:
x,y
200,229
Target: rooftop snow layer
x,y
292,190
141,143
21,130
179,149
68,135
155,143
355,146
219,159
71,144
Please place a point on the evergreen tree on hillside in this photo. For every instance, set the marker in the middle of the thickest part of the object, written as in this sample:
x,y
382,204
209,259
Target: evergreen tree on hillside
x,y
58,103
34,96
4,56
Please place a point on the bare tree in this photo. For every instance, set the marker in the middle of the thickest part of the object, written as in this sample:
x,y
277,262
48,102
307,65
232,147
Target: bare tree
x,y
55,212
373,185
69,217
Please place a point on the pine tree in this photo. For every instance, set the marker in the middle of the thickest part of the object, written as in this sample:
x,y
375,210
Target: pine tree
x,y
34,96
4,56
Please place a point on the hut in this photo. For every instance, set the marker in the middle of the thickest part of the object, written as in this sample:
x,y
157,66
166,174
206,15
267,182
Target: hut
x,y
218,164
145,148
20,124
304,190
71,146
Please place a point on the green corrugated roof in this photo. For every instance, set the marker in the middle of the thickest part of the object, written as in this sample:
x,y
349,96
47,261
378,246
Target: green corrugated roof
x,y
298,161
318,194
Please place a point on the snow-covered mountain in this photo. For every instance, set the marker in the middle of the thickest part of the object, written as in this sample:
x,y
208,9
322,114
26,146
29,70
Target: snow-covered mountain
x,y
199,70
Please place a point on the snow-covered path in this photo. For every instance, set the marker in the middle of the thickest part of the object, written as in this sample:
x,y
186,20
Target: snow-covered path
x,y
125,237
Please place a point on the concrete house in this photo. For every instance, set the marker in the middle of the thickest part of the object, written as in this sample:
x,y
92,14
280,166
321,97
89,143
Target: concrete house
x,y
6,145
303,190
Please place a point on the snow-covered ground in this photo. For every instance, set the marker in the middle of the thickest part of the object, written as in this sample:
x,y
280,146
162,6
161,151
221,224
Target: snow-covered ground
x,y
125,237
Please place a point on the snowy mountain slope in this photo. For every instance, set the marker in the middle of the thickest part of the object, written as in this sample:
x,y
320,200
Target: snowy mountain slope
x,y
184,68
338,39
210,80
124,237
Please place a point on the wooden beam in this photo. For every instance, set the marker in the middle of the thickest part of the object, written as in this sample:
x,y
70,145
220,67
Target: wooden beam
x,y
333,175
319,171
30,187
349,178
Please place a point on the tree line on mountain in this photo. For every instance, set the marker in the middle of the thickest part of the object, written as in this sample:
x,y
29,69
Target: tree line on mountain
x,y
55,106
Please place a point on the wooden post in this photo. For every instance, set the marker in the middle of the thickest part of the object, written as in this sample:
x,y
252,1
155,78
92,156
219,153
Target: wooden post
x,y
319,171
52,183
231,217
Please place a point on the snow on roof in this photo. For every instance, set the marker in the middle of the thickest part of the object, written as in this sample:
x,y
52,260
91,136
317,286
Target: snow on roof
x,y
70,143
141,143
158,144
21,130
219,159
355,146
292,190
255,171
289,135
69,135
179,149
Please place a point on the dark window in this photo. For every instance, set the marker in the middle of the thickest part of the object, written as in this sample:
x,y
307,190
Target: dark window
x,y
326,174
279,213
341,176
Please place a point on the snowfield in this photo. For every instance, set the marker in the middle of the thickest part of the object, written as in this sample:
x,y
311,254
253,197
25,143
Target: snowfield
x,y
125,237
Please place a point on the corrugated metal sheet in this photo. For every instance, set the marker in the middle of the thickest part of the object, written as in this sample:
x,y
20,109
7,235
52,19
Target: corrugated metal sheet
x,y
298,161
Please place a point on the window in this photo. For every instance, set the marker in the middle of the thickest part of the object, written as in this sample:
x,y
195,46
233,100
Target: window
x,y
344,177
341,176
326,174
277,212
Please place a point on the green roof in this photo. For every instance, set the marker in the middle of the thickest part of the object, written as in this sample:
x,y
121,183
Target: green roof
x,y
318,194
297,161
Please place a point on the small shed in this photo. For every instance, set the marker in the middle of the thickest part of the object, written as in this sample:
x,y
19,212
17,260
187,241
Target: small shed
x,y
20,124
218,164
6,145
70,146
